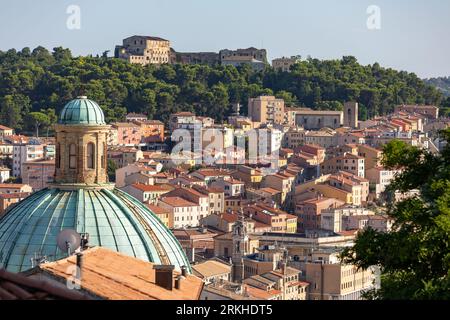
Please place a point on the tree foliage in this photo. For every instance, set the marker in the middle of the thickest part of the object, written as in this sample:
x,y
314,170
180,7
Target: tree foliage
x,y
32,80
415,256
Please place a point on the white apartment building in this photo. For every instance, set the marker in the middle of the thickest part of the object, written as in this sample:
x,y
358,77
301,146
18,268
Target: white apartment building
x,y
185,213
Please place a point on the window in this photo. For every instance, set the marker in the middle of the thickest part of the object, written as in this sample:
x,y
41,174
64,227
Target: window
x,y
90,155
72,156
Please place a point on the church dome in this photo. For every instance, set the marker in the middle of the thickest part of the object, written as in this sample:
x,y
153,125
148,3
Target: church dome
x,y
112,218
82,111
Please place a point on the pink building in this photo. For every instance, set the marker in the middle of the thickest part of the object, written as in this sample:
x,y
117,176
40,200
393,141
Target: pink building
x,y
128,133
309,212
38,174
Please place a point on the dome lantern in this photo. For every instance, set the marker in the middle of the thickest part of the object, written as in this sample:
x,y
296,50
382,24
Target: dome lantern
x,y
81,136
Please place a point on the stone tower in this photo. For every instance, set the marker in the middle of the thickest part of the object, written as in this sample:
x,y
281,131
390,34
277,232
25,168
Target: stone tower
x,y
81,135
351,115
240,248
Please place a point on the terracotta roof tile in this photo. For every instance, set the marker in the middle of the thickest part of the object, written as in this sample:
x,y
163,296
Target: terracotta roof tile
x,y
112,275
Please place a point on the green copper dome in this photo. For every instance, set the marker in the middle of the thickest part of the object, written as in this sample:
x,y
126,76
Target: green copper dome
x,y
82,111
112,218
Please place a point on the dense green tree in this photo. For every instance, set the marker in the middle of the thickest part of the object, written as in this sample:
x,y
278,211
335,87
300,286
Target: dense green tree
x,y
12,109
50,80
37,120
415,255
111,170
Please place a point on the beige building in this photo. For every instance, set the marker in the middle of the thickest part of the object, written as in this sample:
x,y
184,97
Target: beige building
x,y
5,131
185,213
294,138
380,178
166,216
324,138
144,50
317,119
8,188
8,199
266,109
212,271
331,280
372,156
147,193
284,64
347,162
431,112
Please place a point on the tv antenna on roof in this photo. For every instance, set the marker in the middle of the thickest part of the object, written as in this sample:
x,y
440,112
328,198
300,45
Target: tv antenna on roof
x,y
68,240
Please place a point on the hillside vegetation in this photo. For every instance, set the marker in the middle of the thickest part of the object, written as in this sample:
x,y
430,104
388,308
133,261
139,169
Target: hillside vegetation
x,y
35,85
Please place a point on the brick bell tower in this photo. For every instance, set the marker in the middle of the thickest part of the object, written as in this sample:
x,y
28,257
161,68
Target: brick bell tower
x,y
81,151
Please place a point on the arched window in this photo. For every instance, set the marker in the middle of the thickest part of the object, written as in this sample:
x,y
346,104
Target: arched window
x,y
90,156
72,156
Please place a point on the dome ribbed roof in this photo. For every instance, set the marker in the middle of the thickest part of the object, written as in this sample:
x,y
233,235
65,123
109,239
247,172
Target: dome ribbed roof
x,y
82,111
112,218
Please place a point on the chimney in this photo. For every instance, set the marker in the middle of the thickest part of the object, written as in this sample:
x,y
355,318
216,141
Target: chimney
x,y
178,282
80,261
184,271
164,276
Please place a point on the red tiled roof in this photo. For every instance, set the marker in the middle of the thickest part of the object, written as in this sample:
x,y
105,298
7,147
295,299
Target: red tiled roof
x,y
178,202
4,128
15,286
150,188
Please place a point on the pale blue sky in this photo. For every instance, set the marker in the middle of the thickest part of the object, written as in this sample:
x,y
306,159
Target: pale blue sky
x,y
414,34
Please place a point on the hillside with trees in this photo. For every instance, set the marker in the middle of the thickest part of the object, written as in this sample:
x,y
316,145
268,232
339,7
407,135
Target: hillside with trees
x,y
36,84
442,83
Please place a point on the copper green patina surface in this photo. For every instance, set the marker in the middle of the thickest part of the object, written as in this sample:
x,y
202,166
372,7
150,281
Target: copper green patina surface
x,y
82,111
112,218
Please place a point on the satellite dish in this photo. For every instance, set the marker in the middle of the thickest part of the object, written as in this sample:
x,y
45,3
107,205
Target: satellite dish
x,y
68,240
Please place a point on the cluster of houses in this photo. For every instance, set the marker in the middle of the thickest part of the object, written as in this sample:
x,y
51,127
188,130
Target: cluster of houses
x,y
265,224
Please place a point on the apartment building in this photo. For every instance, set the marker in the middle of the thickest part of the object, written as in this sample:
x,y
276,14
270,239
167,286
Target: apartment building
x,y
347,162
283,182
123,156
128,133
39,173
266,109
309,212
334,219
279,220
331,280
147,193
294,138
201,199
185,213
151,131
379,179
231,187
324,138
165,215
29,152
